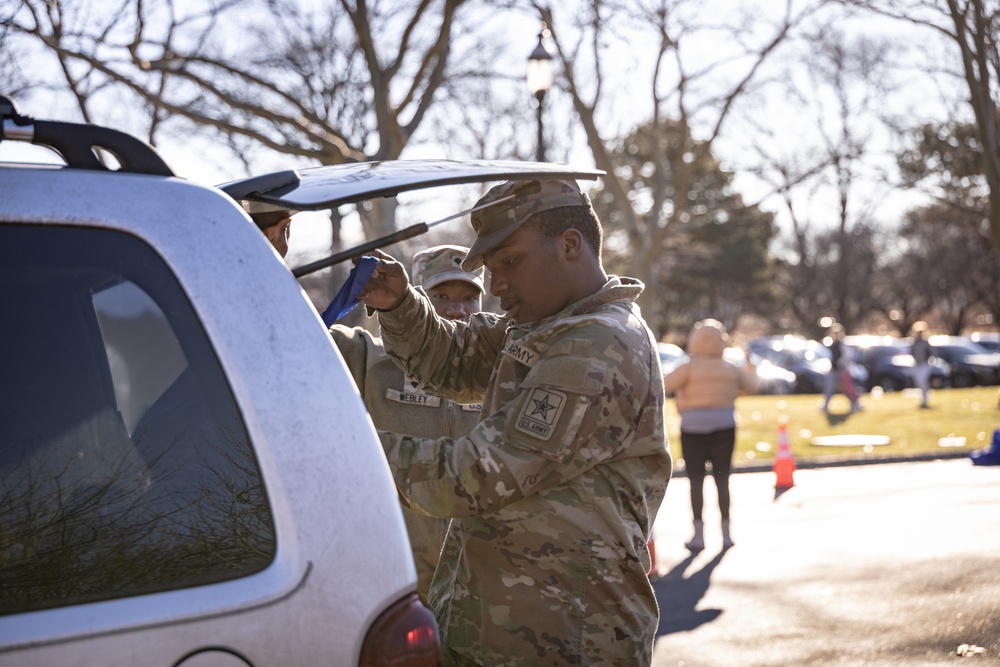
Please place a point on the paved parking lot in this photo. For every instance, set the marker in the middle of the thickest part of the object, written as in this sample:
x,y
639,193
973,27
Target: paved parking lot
x,y
891,564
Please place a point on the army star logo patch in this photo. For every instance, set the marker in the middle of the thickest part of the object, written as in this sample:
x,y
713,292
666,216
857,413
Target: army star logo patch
x,y
540,413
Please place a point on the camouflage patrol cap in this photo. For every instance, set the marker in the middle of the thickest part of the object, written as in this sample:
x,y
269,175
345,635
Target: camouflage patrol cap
x,y
442,263
495,223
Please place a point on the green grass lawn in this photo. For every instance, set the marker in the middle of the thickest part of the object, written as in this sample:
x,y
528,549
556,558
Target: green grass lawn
x,y
972,414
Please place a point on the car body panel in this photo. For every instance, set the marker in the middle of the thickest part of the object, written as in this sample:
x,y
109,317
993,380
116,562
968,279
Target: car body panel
x,y
671,356
990,340
970,363
808,359
889,362
326,187
342,553
771,378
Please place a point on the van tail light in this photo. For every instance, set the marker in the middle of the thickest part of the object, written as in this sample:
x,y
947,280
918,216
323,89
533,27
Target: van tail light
x,y
405,635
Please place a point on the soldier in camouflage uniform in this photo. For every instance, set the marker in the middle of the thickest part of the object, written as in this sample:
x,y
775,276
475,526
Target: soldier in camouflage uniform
x,y
554,493
398,403
394,401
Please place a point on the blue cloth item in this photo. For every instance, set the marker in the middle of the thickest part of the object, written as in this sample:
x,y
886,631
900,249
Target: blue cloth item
x,y
347,297
989,456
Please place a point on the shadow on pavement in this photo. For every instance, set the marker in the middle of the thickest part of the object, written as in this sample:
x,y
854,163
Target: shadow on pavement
x,y
678,596
835,418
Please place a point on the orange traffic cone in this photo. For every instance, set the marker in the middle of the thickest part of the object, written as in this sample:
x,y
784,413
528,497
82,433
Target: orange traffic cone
x,y
651,545
784,462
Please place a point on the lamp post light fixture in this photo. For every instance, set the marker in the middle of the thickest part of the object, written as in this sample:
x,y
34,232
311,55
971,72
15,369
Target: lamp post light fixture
x,y
539,81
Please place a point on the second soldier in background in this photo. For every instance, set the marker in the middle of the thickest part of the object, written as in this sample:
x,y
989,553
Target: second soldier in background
x,y
397,403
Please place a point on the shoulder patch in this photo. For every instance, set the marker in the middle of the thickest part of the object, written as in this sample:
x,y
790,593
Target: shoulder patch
x,y
540,413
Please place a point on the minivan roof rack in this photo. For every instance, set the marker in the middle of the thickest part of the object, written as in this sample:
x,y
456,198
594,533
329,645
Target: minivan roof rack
x,y
77,143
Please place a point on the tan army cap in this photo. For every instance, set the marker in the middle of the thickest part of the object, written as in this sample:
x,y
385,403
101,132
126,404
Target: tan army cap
x,y
442,263
495,223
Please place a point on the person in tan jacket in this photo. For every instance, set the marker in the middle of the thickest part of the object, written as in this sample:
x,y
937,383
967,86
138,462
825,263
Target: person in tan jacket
x,y
705,388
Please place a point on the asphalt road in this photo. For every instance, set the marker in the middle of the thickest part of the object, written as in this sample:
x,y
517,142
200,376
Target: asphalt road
x,y
890,564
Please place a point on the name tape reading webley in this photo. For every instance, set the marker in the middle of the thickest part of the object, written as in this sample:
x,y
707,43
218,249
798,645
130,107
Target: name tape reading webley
x,y
412,393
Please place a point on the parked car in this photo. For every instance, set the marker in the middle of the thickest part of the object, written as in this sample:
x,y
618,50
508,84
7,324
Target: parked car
x,y
671,356
808,359
771,379
969,362
987,339
889,362
188,474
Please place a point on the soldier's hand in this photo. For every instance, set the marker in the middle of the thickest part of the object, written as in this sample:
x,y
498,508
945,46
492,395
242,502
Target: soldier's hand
x,y
386,288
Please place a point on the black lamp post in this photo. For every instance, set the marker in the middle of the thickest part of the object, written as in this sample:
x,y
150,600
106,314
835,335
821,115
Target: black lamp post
x,y
539,81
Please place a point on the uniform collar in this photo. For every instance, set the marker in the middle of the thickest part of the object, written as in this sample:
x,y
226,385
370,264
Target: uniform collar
x,y
617,290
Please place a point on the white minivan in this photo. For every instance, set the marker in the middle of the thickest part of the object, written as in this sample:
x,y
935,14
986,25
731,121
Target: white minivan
x,y
188,476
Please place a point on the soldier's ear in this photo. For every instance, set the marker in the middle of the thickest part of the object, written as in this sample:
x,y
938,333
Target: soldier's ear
x,y
571,244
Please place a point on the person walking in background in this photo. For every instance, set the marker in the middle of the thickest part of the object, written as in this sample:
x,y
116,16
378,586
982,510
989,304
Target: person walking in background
x,y
840,370
705,388
921,352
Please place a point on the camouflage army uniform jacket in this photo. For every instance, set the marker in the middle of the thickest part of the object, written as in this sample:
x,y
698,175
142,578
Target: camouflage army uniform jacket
x,y
554,492
397,403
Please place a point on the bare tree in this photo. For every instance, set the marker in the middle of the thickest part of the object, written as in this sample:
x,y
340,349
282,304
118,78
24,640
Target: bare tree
x,y
328,84
689,98
310,83
717,264
13,78
825,177
947,263
973,26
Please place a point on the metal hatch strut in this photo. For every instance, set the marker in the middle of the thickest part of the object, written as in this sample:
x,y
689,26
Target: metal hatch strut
x,y
401,235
